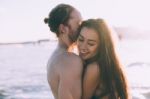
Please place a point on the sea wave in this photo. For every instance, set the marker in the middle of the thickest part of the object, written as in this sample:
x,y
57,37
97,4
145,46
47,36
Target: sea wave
x,y
23,69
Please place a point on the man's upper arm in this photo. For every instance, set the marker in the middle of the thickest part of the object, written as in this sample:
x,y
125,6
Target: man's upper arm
x,y
70,79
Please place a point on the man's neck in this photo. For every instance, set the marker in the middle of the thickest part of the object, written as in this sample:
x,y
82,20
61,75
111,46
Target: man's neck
x,y
62,46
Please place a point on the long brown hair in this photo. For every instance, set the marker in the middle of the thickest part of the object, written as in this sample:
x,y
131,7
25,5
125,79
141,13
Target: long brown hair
x,y
111,73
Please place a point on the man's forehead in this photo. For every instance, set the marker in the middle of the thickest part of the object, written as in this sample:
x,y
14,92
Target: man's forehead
x,y
75,14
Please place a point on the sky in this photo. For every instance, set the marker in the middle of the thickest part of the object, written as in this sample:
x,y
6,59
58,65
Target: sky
x,y
22,20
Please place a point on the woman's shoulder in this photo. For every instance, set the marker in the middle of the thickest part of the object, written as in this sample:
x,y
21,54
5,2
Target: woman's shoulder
x,y
93,69
93,66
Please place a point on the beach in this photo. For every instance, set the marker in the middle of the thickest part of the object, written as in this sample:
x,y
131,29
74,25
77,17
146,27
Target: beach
x,y
23,69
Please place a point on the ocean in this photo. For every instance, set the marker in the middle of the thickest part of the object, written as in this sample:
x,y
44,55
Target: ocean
x,y
23,69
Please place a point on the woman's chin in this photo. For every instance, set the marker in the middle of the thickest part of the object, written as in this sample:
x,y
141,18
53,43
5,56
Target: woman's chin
x,y
84,58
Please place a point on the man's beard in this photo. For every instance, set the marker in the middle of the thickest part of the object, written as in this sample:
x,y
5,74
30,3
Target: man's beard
x,y
73,35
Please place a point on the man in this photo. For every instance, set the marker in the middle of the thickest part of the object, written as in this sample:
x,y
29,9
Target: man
x,y
64,70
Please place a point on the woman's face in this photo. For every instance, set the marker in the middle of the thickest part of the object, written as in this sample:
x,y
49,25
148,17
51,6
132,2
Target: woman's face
x,y
88,43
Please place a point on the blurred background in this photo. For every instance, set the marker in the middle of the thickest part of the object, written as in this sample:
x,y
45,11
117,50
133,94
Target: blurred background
x,y
26,43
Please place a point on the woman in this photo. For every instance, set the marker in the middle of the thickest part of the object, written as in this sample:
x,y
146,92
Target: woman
x,y
103,77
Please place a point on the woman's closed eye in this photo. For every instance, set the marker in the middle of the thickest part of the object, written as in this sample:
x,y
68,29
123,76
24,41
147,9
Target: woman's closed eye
x,y
91,44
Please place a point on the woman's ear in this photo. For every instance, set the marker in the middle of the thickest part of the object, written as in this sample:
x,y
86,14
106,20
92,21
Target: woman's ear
x,y
63,28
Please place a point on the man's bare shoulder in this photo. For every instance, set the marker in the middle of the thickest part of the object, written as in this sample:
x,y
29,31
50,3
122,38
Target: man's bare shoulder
x,y
71,56
71,60
68,59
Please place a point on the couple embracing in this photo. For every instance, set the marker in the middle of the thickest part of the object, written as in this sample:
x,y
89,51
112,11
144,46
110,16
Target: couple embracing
x,y
96,73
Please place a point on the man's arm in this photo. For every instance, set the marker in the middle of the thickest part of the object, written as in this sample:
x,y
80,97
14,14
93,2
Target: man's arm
x,y
70,78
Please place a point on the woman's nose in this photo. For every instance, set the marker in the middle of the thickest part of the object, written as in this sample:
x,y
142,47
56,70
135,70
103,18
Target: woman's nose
x,y
83,47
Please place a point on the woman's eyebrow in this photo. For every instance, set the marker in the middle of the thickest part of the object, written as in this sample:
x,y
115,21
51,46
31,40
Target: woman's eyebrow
x,y
90,40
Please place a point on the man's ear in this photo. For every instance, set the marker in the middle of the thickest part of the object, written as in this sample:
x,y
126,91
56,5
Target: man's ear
x,y
63,28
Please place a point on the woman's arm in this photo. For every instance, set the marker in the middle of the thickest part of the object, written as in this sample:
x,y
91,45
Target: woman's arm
x,y
90,80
